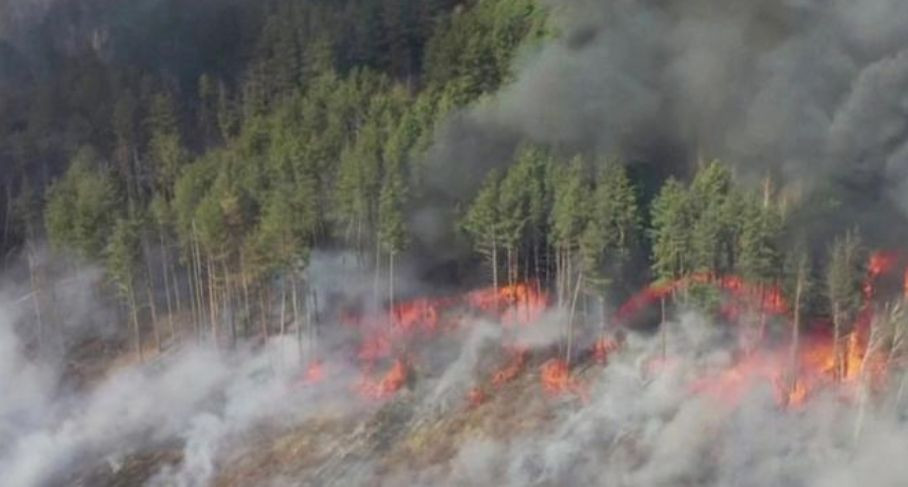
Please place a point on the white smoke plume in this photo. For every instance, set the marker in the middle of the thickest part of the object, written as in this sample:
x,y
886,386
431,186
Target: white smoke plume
x,y
645,428
642,426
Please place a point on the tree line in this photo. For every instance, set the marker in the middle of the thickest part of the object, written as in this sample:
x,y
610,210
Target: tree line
x,y
205,198
203,192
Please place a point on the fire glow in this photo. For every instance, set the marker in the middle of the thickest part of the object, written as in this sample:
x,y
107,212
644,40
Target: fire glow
x,y
388,341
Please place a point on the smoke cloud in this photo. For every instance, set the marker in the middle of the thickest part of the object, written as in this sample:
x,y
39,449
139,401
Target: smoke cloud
x,y
649,429
806,90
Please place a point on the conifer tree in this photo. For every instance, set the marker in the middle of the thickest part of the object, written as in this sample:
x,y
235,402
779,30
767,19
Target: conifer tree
x,y
570,214
166,143
671,231
613,231
513,213
123,254
82,206
713,227
392,231
481,222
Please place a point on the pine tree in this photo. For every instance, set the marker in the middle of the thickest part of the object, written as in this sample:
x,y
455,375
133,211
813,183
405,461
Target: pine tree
x,y
760,259
165,144
81,207
713,227
613,231
570,213
392,231
513,213
207,114
671,232
481,222
123,254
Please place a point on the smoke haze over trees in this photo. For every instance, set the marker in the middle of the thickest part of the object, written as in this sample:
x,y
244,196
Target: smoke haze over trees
x,y
226,182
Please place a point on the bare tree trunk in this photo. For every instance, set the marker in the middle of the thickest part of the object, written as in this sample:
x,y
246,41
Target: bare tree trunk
x,y
175,283
149,291
495,272
296,320
376,284
794,351
164,269
135,323
391,317
557,281
36,289
315,319
154,316
570,330
229,308
199,288
263,314
511,271
212,301
194,305
663,328
836,346
283,328
244,280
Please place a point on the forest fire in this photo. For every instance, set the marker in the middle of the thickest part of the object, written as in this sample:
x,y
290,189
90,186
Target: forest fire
x,y
794,373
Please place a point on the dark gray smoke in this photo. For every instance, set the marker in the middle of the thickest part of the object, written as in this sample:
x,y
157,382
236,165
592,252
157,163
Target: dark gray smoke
x,y
805,90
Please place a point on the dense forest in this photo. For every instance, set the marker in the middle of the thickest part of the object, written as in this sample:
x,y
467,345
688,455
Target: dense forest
x,y
201,153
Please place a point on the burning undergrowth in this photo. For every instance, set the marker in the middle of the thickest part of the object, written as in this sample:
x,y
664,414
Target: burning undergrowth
x,y
483,388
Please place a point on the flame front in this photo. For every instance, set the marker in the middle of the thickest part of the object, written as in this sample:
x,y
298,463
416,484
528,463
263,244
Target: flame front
x,y
794,374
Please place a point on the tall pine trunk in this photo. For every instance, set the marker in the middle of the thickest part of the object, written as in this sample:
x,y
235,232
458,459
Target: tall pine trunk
x,y
244,280
154,315
212,300
794,351
134,314
167,300
570,326
391,317
228,304
836,338
296,320
263,312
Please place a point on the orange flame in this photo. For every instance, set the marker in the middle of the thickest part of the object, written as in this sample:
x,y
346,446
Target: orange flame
x,y
392,382
797,395
557,379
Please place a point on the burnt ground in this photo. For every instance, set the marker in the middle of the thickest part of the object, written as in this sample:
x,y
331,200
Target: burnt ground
x,y
379,448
